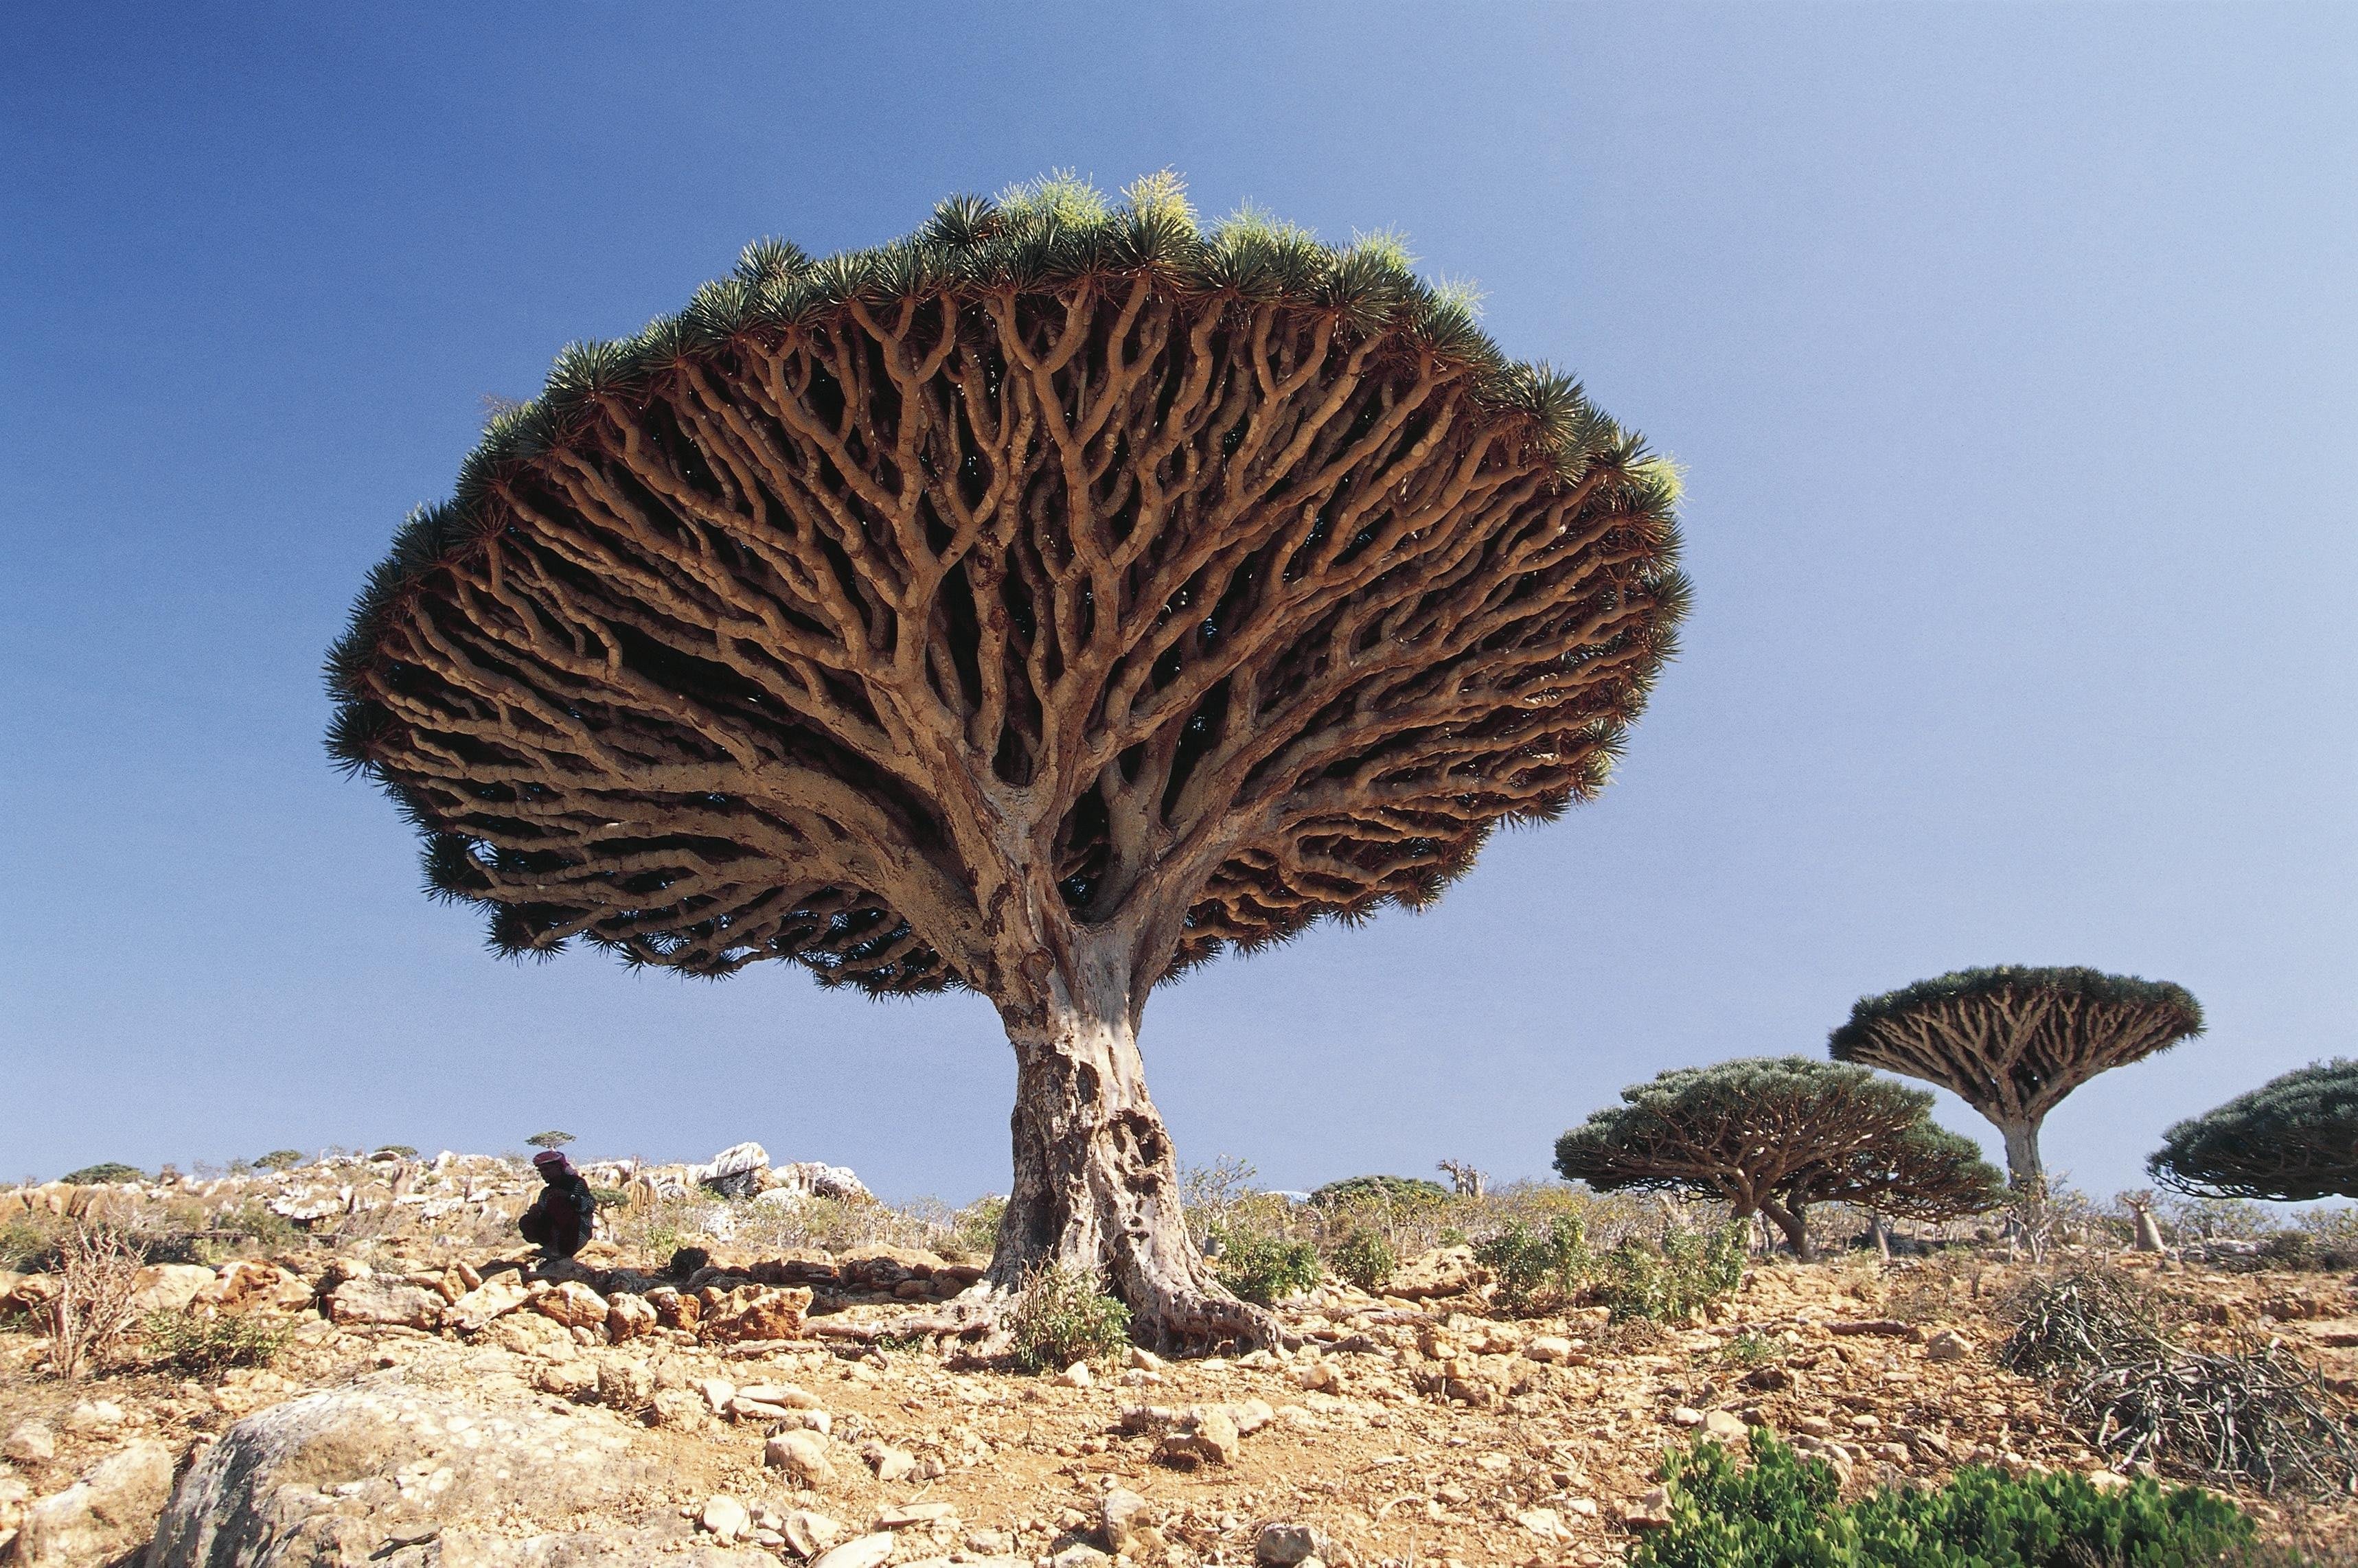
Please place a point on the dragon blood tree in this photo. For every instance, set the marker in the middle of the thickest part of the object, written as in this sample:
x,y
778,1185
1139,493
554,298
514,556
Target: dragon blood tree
x,y
2013,1042
1040,604
1775,1134
2291,1139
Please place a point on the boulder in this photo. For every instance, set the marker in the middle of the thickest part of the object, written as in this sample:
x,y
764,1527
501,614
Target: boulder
x,y
755,1311
30,1442
495,1297
397,1474
1284,1545
385,1301
168,1287
1948,1344
725,1518
866,1551
808,1178
1207,1436
1443,1271
809,1533
572,1304
889,1463
103,1516
1127,1521
627,1316
802,1454
737,1171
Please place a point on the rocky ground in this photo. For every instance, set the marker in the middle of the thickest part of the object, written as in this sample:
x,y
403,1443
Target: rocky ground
x,y
441,1403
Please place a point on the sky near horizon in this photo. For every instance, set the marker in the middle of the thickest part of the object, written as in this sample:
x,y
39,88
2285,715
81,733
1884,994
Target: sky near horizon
x,y
2011,354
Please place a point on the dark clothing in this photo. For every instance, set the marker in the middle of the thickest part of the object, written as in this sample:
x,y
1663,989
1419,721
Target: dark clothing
x,y
560,1219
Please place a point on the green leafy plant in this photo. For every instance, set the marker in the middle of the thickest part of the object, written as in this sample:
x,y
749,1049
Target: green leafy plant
x,y
1669,1283
1525,1260
1784,1511
1364,1259
281,1160
1063,1315
1262,1268
206,1344
974,1229
104,1173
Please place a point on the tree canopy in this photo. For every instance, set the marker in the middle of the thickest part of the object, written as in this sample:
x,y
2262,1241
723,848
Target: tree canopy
x,y
2293,1138
1776,1134
1262,578
2012,1041
1411,1192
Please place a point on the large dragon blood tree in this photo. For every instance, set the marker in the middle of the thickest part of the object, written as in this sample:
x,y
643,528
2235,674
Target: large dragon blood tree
x,y
1040,604
2293,1138
2013,1042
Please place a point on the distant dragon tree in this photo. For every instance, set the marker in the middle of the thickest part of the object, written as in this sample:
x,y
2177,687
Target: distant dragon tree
x,y
1040,605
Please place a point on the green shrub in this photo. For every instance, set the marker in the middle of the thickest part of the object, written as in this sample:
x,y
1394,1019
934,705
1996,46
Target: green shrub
x,y
104,1172
206,1345
1364,1259
1264,1268
1063,1315
30,1244
254,1218
612,1197
1668,1284
1784,1511
974,1229
1525,1260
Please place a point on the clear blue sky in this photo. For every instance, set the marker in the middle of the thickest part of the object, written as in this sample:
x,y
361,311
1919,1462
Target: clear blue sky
x,y
2012,351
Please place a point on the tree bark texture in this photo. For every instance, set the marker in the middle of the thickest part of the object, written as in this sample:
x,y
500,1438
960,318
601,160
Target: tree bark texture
x,y
2023,1166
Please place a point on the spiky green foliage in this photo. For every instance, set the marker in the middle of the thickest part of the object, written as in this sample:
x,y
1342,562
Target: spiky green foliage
x,y
1785,1511
660,885
2293,1138
2012,1041
1395,1192
1776,1134
105,1173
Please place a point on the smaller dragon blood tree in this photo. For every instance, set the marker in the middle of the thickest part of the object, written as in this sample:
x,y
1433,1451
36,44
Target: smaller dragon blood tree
x,y
2291,1139
1775,1134
2013,1042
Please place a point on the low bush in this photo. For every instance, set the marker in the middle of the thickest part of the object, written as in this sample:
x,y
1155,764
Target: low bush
x,y
974,1229
1264,1268
2077,1318
1784,1511
253,1218
1063,1315
1670,1284
1395,1192
206,1344
97,1277
1526,1261
1364,1259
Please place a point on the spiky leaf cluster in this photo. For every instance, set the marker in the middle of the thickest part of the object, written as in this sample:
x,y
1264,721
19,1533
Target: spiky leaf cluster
x,y
1780,1133
2292,1139
1225,579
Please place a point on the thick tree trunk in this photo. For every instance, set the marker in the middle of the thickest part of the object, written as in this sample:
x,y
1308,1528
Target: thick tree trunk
x,y
1095,1177
2022,1166
1794,1222
1879,1234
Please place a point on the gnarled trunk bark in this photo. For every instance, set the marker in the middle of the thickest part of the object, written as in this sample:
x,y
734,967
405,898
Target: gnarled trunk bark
x,y
1095,1177
1794,1221
2022,1166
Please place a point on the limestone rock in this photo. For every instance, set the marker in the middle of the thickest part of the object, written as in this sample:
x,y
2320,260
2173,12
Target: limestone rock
x,y
495,1297
1548,1347
385,1301
782,1394
1724,1426
755,1311
168,1287
1076,1376
1128,1522
1443,1271
866,1551
681,1410
1203,1437
627,1316
802,1454
1651,1511
1948,1344
1287,1545
890,1463
30,1442
624,1384
903,1516
107,1513
1080,1554
572,1304
808,1532
725,1518
737,1171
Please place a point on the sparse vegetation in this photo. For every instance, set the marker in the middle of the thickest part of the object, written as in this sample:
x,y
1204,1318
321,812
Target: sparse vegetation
x,y
1784,1511
1672,1281
280,1160
205,1343
1259,1268
1063,1314
1364,1259
1526,1261
96,1278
